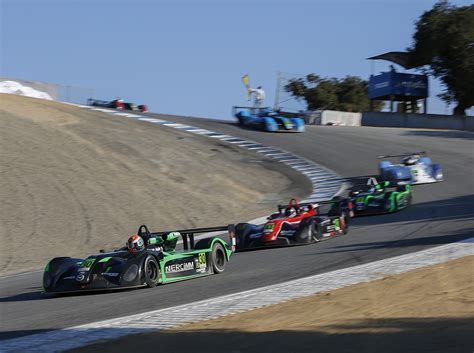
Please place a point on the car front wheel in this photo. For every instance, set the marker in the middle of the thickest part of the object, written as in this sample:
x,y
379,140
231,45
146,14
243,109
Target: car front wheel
x,y
218,258
152,272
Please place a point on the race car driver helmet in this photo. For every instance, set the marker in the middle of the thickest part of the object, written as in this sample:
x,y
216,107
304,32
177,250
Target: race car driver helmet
x,y
135,243
410,160
290,212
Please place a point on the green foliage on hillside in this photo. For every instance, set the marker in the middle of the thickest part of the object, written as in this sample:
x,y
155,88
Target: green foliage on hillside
x,y
347,94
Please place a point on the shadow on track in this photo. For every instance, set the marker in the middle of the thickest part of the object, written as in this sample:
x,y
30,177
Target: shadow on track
x,y
39,295
456,208
452,134
402,243
372,335
4,335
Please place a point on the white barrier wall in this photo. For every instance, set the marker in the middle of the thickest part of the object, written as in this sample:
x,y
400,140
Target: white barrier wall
x,y
418,121
381,119
332,117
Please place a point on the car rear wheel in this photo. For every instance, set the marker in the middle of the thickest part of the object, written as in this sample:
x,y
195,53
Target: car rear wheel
x,y
218,258
317,233
152,272
242,232
409,200
344,222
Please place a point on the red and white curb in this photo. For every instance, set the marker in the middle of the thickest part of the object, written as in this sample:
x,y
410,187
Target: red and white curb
x,y
325,183
78,336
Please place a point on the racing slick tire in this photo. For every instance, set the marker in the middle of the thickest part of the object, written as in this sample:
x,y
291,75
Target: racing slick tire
x,y
387,203
308,232
318,233
242,232
345,221
151,270
218,258
403,204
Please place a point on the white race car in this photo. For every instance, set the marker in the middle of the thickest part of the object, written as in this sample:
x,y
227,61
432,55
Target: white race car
x,y
414,168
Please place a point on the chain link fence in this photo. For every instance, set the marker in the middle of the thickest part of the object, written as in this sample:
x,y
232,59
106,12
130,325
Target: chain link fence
x,y
283,99
74,94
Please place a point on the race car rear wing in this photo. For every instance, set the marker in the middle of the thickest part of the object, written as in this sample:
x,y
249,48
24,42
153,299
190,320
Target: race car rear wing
x,y
237,108
92,100
188,234
315,203
402,155
242,107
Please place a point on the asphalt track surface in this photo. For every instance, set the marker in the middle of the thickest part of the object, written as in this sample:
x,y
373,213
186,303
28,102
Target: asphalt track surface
x,y
441,213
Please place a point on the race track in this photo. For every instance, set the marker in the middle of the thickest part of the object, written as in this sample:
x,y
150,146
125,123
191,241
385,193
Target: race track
x,y
441,213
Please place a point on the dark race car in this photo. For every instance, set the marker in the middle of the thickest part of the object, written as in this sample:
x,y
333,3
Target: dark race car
x,y
117,104
157,263
376,198
296,224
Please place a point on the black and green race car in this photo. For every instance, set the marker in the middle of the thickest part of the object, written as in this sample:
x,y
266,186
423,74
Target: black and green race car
x,y
377,198
158,263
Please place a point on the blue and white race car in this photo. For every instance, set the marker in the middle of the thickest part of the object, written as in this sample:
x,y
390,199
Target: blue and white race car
x,y
267,119
414,168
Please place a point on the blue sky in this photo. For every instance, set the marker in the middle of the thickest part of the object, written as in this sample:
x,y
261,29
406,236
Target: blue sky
x,y
187,57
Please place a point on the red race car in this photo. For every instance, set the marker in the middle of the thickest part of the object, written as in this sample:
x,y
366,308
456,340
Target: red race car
x,y
296,224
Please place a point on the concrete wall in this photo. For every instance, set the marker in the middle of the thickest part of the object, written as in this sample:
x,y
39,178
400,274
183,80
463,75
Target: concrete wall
x,y
332,117
418,121
402,120
313,117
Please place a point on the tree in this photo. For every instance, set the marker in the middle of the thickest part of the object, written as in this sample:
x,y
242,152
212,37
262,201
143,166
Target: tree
x,y
347,94
443,45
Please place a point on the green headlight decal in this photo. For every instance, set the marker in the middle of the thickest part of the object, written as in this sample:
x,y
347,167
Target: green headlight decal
x,y
269,226
105,259
87,263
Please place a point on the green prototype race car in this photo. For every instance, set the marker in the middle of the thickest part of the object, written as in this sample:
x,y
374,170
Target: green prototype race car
x,y
148,259
376,198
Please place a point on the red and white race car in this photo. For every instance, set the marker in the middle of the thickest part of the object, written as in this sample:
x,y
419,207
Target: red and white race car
x,y
297,224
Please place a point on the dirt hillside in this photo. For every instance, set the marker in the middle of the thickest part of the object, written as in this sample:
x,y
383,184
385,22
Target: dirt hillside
x,y
73,181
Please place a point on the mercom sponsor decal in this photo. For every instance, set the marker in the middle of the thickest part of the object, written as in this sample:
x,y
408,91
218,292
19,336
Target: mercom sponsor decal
x,y
179,267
